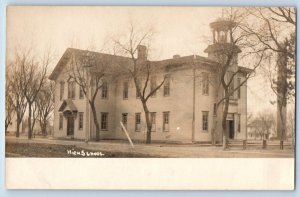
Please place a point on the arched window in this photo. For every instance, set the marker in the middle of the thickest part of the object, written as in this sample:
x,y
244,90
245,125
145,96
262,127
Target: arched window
x,y
222,36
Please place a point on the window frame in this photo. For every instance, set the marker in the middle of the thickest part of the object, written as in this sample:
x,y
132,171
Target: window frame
x,y
167,86
231,85
151,118
62,90
80,121
239,89
239,123
164,121
104,114
61,121
71,90
81,93
122,118
205,83
153,85
205,123
136,90
125,90
106,90
137,118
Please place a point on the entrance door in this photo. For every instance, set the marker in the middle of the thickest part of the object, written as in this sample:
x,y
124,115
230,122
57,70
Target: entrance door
x,y
70,126
231,129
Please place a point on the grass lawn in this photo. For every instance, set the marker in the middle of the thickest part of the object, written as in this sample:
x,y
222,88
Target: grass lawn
x,y
60,151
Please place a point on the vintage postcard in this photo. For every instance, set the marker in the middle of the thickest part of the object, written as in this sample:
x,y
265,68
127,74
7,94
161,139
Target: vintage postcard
x,y
162,98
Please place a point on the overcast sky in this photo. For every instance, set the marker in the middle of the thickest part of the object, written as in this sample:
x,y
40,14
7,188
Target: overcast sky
x,y
179,30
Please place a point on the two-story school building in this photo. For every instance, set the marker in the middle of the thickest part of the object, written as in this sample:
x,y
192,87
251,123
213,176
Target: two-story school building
x,y
182,110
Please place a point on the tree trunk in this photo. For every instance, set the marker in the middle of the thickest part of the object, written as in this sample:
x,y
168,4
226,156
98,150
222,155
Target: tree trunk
x,y
43,125
148,123
95,121
282,88
6,126
224,122
18,126
213,131
29,121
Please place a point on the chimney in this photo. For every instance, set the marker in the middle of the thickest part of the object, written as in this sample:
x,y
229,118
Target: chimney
x,y
176,56
142,52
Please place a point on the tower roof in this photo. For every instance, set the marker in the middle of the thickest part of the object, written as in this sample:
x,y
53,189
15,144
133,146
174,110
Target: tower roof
x,y
222,24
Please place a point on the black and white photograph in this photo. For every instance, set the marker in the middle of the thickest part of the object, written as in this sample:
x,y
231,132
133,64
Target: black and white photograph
x,y
150,82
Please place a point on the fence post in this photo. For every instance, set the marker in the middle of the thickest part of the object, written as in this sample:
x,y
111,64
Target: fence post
x,y
264,144
244,144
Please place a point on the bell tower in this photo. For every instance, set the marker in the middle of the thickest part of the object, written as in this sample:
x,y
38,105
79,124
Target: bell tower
x,y
222,40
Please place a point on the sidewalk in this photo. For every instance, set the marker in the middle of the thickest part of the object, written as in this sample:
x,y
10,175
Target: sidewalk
x,y
161,150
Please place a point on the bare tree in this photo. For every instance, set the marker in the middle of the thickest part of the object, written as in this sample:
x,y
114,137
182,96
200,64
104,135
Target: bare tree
x,y
45,105
90,71
9,101
17,86
290,125
227,70
276,34
33,75
136,45
34,116
268,122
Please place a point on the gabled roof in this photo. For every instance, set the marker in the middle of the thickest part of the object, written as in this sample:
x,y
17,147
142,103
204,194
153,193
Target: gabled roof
x,y
109,59
67,104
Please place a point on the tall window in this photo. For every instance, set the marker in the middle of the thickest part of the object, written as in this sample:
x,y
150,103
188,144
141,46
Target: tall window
x,y
62,90
205,83
104,94
166,117
222,36
239,89
153,121
239,123
215,109
61,121
167,86
205,121
125,90
71,90
80,120
124,119
81,94
153,85
137,122
104,121
137,92
231,85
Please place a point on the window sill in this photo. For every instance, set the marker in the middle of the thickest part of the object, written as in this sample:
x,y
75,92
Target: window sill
x,y
104,129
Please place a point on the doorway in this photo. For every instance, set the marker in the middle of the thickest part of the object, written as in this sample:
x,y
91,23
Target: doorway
x,y
70,125
230,129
